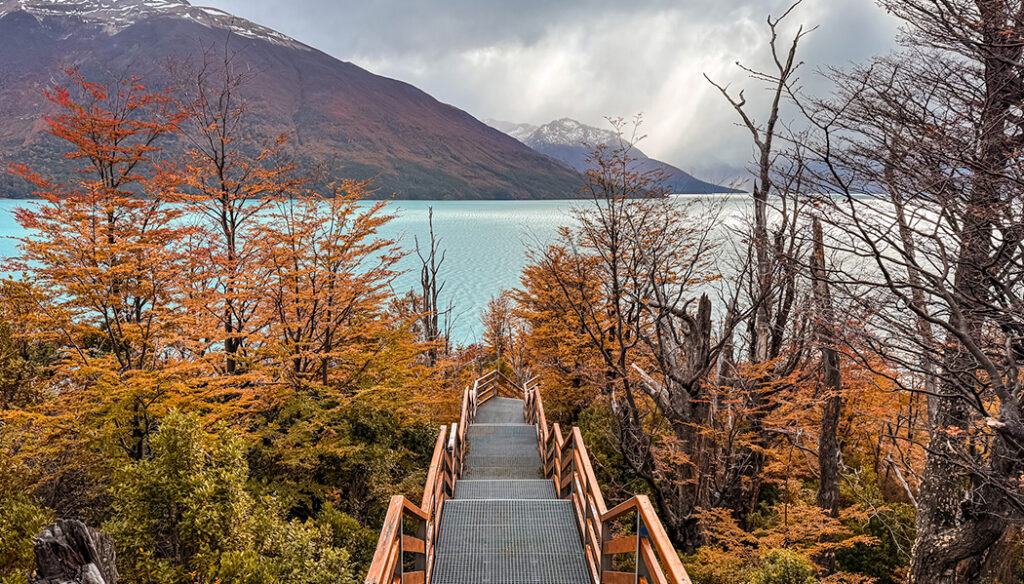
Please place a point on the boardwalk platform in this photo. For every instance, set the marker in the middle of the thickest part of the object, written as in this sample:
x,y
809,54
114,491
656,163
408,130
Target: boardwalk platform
x,y
510,500
506,525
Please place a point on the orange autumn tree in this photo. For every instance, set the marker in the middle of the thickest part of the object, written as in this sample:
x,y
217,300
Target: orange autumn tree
x,y
328,286
102,251
231,178
556,341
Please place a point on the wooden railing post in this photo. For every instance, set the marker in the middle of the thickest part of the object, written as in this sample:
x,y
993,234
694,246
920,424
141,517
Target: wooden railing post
x,y
567,463
642,569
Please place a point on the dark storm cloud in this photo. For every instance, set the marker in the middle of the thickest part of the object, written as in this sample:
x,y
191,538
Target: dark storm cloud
x,y
537,60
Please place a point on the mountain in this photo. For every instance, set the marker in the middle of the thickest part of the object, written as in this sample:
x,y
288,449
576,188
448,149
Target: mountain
x,y
571,142
337,113
517,131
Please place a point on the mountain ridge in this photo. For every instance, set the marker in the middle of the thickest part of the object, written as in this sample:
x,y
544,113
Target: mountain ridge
x,y
339,114
571,142
115,15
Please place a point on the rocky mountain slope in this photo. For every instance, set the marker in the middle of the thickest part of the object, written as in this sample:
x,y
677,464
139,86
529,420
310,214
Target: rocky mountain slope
x,y
571,142
338,113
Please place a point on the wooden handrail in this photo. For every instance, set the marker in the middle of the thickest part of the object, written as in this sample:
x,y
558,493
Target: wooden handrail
x,y
446,465
497,384
567,463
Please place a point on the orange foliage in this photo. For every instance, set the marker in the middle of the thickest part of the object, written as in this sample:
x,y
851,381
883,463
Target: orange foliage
x,y
328,285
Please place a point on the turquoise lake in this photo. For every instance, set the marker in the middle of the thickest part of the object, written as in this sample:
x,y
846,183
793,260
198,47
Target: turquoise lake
x,y
486,243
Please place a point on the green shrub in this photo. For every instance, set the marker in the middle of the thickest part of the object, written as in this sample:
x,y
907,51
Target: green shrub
x,y
184,515
354,454
783,567
349,534
21,519
598,426
893,527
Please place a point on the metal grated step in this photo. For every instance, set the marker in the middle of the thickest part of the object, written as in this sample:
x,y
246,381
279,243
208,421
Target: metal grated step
x,y
502,451
508,542
501,410
514,489
479,473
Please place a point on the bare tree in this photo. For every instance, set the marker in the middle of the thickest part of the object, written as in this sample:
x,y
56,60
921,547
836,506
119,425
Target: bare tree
x,y
773,268
924,148
631,277
772,312
829,454
430,293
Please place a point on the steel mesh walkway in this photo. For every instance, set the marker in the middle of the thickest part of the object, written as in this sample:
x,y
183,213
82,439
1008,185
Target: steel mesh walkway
x,y
491,510
502,451
508,489
501,410
505,525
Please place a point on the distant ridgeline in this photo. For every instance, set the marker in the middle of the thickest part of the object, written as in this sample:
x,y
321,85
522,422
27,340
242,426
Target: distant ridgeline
x,y
571,143
338,115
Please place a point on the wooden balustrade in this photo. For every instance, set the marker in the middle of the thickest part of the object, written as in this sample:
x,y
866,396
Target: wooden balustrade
x,y
567,462
388,564
389,560
656,558
496,384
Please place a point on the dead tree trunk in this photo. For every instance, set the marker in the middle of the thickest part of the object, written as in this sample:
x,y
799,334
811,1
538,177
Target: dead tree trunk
x,y
829,454
430,290
69,552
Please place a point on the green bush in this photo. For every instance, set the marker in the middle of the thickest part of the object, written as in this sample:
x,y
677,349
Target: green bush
x,y
184,515
349,534
783,567
893,527
354,454
598,426
21,519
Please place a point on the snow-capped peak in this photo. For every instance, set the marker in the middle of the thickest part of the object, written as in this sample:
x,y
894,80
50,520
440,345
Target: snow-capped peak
x,y
517,131
113,16
569,132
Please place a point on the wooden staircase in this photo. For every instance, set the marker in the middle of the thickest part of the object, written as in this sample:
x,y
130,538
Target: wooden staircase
x,y
510,501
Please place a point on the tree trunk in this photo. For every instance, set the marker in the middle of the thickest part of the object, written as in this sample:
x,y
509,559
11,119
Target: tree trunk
x,y
951,535
69,552
829,452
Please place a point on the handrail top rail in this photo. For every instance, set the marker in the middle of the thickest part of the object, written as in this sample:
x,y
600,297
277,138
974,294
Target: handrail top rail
x,y
672,570
588,469
434,469
413,508
657,534
486,378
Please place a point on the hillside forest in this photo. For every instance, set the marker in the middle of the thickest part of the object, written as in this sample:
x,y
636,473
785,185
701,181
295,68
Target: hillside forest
x,y
205,356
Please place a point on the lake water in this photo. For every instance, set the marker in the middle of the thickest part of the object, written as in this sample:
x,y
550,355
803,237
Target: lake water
x,y
486,244
485,241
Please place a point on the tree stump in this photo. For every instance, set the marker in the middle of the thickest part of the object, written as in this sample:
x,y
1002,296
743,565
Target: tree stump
x,y
70,552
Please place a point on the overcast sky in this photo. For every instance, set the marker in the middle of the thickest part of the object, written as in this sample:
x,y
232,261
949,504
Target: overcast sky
x,y
538,60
